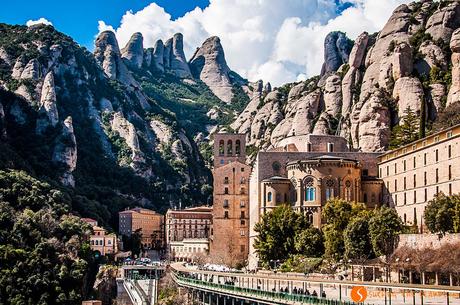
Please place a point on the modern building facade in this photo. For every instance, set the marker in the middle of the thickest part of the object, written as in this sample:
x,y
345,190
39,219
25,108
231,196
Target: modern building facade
x,y
150,224
305,171
230,228
415,173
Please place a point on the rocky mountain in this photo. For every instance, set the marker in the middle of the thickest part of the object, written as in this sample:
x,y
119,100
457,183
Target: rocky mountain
x,y
121,127
367,86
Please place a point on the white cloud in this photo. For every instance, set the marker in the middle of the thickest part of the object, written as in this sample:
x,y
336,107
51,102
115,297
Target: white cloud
x,y
278,41
38,21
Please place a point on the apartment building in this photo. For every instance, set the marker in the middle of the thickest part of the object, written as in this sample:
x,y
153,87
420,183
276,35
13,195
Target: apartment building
x,y
415,173
150,224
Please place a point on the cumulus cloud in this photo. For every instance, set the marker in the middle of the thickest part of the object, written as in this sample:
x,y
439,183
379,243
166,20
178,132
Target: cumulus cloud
x,y
38,21
277,41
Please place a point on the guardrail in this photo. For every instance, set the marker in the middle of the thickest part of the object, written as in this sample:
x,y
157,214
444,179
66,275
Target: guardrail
x,y
279,297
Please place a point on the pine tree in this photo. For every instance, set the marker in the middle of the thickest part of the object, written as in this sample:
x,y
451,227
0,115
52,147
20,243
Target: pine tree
x,y
407,131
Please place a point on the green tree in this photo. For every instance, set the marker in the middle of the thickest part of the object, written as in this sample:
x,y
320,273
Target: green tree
x,y
357,240
337,214
384,228
309,242
408,131
442,214
276,233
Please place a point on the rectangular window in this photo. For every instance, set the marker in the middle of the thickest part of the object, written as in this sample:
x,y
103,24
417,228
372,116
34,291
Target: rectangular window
x,y
415,180
226,180
437,175
449,151
437,155
437,190
436,139
396,199
242,222
396,185
424,159
396,168
404,165
242,215
388,170
449,134
226,214
404,183
405,198
225,203
426,195
380,172
414,162
424,178
415,196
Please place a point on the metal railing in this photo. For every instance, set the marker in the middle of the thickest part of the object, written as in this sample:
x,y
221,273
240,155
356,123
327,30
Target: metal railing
x,y
288,298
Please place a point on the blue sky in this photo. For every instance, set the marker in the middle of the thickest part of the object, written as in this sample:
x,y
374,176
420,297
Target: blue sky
x,y
78,19
274,40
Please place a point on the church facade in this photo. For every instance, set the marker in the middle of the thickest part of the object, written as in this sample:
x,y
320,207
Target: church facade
x,y
306,171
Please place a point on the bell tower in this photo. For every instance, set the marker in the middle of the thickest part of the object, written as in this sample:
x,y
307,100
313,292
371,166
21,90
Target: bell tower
x,y
229,147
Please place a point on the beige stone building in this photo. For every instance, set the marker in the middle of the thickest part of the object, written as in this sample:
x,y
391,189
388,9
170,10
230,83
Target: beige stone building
x,y
189,249
100,241
149,222
305,171
229,239
415,173
188,232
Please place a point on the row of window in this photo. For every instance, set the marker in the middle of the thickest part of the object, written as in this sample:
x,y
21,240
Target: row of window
x,y
414,197
226,204
189,249
242,191
227,180
229,147
414,161
100,242
425,179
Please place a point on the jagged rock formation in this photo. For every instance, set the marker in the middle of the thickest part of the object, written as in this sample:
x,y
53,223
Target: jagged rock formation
x,y
108,55
174,57
454,92
337,47
363,93
65,152
48,113
208,64
133,52
107,113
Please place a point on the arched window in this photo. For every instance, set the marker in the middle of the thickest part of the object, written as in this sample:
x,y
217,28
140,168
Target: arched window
x,y
348,190
329,189
221,148
309,190
269,196
310,217
237,147
229,148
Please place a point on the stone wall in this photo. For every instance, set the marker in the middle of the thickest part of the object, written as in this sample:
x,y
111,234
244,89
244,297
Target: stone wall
x,y
420,241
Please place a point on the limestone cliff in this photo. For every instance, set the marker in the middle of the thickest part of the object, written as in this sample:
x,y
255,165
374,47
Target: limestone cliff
x,y
208,64
365,90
